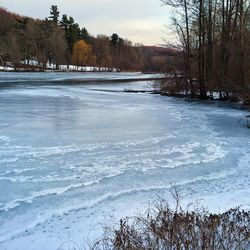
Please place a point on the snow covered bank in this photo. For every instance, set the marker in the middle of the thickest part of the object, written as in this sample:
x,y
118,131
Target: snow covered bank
x,y
6,68
33,65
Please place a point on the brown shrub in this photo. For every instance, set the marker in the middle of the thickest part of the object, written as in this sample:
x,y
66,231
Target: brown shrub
x,y
165,228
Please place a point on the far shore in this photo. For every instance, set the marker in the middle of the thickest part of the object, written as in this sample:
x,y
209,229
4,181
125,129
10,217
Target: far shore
x,y
210,101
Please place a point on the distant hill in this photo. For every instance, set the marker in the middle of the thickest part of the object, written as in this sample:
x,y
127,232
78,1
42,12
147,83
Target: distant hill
x,y
161,50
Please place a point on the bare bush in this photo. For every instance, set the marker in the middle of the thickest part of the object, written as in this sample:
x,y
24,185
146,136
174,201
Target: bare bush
x,y
166,228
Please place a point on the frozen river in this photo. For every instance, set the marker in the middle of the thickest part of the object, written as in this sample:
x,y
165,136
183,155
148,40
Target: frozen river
x,y
73,157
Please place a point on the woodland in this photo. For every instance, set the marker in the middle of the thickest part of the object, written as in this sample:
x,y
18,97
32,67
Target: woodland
x,y
59,40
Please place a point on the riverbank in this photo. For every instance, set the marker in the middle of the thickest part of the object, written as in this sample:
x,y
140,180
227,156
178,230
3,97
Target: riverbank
x,y
220,103
30,68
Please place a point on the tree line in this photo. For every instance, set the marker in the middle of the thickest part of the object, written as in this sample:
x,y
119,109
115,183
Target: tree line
x,y
59,40
214,37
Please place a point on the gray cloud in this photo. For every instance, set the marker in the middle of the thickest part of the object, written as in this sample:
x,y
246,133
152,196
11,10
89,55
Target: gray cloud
x,y
138,20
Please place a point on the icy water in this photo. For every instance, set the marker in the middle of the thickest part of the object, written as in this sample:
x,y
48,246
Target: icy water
x,y
76,157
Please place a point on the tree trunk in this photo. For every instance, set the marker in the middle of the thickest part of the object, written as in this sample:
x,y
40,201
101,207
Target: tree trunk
x,y
242,54
1,60
201,51
189,76
210,47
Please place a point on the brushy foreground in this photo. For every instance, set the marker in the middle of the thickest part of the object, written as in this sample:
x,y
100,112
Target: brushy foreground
x,y
166,228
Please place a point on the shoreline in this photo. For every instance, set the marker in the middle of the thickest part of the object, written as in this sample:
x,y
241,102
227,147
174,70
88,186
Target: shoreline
x,y
221,103
74,81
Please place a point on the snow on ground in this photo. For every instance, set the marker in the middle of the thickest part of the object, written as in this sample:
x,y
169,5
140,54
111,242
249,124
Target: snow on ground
x,y
73,157
6,68
51,66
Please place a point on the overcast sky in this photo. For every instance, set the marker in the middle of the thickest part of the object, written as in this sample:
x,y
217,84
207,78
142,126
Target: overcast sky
x,y
138,20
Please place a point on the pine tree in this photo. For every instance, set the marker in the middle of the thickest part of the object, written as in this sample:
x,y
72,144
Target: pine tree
x,y
54,14
64,23
73,33
85,35
114,39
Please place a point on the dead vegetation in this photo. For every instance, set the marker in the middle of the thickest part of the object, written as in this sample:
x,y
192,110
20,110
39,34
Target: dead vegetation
x,y
163,227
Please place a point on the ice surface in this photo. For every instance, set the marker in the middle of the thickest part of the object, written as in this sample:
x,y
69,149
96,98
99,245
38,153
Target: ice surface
x,y
73,157
9,77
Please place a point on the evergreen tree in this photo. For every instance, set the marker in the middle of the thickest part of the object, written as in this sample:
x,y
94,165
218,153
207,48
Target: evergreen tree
x,y
64,23
54,14
114,39
85,35
73,33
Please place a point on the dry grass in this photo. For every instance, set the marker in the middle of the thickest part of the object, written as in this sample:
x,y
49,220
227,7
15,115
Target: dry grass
x,y
166,228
